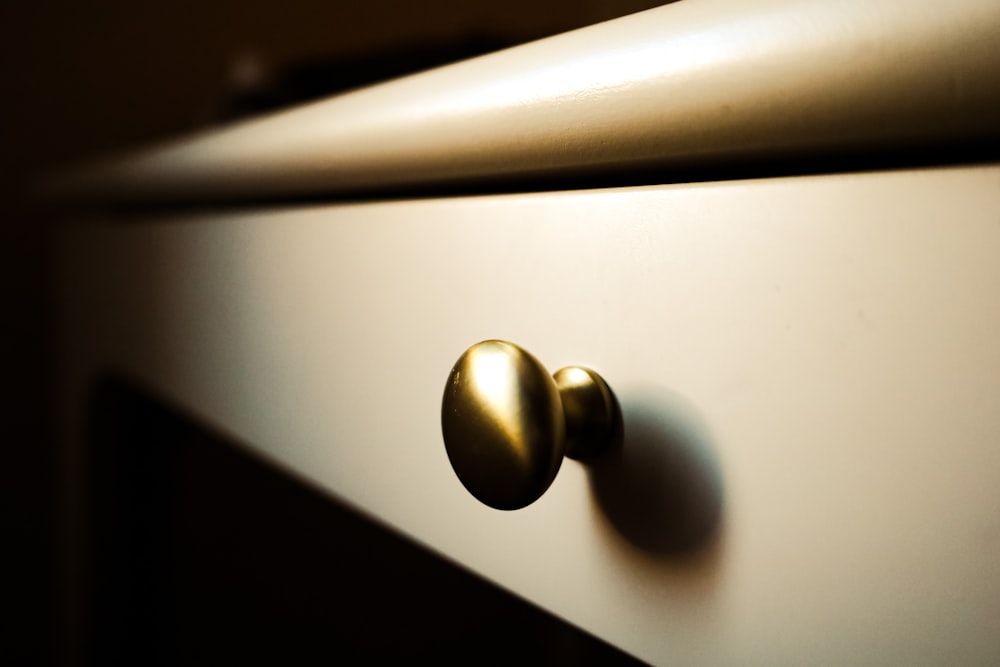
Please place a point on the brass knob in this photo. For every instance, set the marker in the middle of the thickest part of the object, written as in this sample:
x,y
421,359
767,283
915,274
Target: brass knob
x,y
507,423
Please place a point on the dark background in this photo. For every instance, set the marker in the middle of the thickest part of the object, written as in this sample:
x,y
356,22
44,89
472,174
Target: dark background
x,y
80,79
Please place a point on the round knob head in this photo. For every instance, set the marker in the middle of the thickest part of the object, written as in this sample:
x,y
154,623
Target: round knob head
x,y
503,424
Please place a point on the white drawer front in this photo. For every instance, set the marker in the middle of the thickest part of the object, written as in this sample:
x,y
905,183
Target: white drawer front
x,y
825,351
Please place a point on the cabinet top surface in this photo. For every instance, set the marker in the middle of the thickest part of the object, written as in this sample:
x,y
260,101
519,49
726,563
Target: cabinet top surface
x,y
673,91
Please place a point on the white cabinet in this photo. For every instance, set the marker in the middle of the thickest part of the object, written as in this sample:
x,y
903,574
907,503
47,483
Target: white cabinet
x,y
808,366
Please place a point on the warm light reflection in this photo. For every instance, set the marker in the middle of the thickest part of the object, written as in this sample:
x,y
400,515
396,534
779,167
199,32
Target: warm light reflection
x,y
494,377
606,71
575,377
496,389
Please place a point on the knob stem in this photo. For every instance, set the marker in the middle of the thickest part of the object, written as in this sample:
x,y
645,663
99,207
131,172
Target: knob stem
x,y
593,417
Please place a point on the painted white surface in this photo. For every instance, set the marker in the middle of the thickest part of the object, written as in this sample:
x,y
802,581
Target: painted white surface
x,y
834,340
693,83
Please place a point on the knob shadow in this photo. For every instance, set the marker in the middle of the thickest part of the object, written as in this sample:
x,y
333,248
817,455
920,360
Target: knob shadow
x,y
660,486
